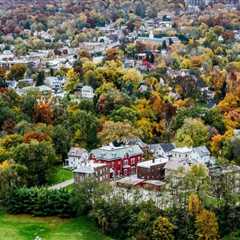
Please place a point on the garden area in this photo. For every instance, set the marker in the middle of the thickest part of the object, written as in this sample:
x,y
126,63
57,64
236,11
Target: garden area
x,y
26,227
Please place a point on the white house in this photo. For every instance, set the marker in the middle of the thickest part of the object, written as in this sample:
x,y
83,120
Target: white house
x,y
77,157
197,155
55,82
161,149
87,92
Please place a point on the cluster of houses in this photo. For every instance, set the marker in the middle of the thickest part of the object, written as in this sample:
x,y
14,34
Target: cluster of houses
x,y
126,165
197,5
52,85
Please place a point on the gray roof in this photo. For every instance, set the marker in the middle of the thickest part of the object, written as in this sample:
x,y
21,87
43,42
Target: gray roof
x,y
150,163
77,152
89,168
136,141
201,151
111,153
166,147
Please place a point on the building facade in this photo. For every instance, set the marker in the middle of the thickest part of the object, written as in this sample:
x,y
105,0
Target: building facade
x,y
152,170
76,157
98,171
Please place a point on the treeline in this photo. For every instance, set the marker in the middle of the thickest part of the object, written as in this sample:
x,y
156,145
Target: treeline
x,y
40,202
129,217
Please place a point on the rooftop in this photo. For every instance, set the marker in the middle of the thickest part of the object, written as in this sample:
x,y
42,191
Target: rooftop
x,y
131,180
89,168
182,150
75,151
155,162
111,152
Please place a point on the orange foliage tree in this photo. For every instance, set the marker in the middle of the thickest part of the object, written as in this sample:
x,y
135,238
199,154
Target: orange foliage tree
x,y
43,113
35,136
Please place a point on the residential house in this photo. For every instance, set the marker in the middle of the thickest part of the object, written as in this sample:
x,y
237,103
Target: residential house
x,y
161,149
183,153
202,155
55,83
197,155
122,160
99,171
43,90
87,92
76,157
180,160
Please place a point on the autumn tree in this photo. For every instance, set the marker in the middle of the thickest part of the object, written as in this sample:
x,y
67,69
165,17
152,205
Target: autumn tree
x,y
193,133
207,226
72,80
38,136
43,113
162,229
113,54
194,204
17,71
111,132
11,176
197,180
132,76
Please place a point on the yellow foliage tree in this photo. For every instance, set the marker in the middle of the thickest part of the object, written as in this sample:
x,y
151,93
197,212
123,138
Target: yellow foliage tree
x,y
72,80
207,226
132,76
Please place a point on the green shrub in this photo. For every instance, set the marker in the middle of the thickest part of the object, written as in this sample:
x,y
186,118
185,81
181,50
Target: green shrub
x,y
40,202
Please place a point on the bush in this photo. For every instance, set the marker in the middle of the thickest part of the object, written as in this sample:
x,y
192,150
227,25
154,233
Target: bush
x,y
40,202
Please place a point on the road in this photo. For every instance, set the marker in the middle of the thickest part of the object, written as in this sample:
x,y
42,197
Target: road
x,y
62,184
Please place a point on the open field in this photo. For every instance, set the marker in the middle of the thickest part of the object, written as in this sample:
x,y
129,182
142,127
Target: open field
x,y
24,227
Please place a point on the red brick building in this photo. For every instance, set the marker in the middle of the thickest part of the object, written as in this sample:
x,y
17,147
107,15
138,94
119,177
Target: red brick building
x,y
122,161
152,169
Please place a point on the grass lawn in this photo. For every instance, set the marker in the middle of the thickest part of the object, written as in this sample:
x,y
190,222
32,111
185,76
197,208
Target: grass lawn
x,y
233,236
59,175
24,227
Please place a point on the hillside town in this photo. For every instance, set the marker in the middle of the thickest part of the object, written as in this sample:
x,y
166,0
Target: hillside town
x,y
125,114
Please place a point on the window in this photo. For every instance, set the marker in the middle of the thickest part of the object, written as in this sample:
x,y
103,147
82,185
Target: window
x,y
125,172
125,162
